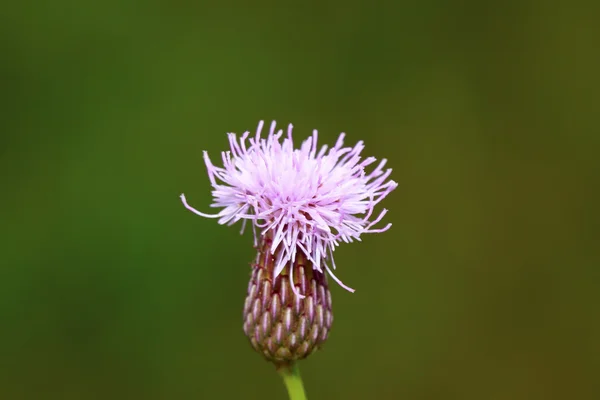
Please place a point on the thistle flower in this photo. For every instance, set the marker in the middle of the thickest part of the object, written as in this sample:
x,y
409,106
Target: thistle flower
x,y
302,203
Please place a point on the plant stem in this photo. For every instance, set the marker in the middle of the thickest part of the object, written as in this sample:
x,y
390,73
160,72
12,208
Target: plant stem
x,y
293,381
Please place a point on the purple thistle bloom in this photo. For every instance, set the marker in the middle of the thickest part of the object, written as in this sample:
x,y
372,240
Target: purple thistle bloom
x,y
306,199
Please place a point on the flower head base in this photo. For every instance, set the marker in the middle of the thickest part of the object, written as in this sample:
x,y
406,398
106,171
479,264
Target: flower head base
x,y
307,200
281,326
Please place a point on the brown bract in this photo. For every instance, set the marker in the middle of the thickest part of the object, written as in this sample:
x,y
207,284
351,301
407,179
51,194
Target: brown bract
x,y
282,326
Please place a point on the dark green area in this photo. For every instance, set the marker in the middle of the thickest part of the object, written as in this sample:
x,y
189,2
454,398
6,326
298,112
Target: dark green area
x,y
486,287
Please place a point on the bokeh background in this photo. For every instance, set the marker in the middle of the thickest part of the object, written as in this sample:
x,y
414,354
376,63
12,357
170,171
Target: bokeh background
x,y
486,287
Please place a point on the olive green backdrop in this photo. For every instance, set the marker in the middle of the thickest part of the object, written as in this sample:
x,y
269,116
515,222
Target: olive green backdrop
x,y
486,287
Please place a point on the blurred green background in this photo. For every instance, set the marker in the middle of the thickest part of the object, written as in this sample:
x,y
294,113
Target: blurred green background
x,y
486,287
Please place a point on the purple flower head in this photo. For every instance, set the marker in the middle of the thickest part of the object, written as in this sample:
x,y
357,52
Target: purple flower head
x,y
306,199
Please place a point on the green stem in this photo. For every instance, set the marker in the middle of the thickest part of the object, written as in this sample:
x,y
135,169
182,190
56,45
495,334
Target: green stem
x,y
293,381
